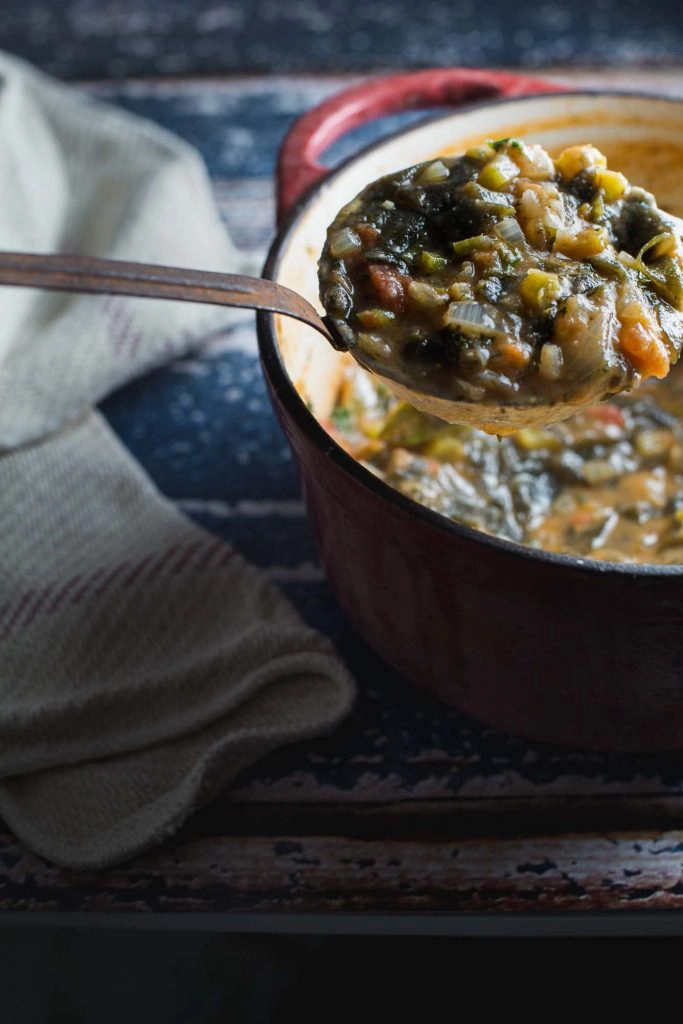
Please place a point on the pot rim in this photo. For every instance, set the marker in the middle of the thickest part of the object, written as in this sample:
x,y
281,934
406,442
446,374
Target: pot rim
x,y
275,370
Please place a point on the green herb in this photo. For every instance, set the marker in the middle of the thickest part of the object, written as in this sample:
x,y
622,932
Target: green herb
x,y
477,243
342,418
608,267
499,144
598,209
431,262
509,258
670,281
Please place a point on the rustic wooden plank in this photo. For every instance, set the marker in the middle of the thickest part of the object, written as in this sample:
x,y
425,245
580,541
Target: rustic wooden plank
x,y
292,874
451,818
85,38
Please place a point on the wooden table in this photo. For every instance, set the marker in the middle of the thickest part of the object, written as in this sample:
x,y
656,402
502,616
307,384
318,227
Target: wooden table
x,y
409,810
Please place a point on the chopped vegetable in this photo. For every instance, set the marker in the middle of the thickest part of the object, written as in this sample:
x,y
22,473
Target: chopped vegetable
x,y
376,319
481,153
436,171
640,339
510,231
613,184
475,244
539,289
498,173
374,345
431,262
652,444
344,243
550,362
427,295
575,159
534,440
472,317
583,244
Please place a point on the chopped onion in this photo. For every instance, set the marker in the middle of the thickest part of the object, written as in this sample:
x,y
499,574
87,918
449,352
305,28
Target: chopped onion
x,y
425,294
662,282
627,260
344,242
550,362
584,337
510,231
497,382
653,444
473,317
663,236
470,392
374,346
436,171
489,198
598,471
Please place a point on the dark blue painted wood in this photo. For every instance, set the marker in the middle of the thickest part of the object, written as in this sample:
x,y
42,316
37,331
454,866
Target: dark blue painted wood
x,y
239,128
88,38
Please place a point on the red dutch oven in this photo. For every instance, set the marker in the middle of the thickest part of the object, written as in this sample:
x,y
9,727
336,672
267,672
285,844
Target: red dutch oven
x,y
554,647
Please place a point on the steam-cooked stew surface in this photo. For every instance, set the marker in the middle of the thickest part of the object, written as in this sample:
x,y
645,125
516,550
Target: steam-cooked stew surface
x,y
606,483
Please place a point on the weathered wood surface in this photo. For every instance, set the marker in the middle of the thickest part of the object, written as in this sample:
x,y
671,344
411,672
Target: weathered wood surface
x,y
409,805
239,874
88,38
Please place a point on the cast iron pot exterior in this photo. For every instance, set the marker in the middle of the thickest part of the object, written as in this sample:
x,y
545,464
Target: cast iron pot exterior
x,y
552,647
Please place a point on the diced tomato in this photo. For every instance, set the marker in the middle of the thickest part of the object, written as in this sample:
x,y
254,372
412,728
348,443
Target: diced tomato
x,y
388,286
608,413
368,233
582,520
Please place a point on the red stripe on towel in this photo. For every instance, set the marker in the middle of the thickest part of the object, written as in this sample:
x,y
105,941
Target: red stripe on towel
x,y
9,628
37,606
59,598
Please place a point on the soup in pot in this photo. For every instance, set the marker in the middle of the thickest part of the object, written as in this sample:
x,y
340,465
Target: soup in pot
x,y
606,483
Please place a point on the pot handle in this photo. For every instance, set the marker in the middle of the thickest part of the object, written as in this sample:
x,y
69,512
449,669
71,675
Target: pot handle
x,y
298,168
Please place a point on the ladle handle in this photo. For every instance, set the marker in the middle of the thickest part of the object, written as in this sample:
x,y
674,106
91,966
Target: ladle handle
x,y
60,272
299,167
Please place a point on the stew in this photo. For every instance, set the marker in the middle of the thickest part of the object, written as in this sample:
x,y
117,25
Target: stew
x,y
606,483
505,276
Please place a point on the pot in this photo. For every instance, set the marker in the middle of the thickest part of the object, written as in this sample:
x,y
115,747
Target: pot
x,y
553,647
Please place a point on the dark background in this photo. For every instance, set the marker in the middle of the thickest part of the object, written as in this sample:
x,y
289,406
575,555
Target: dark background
x,y
120,38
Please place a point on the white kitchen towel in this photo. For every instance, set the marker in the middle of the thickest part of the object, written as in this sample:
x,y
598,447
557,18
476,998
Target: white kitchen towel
x,y
143,663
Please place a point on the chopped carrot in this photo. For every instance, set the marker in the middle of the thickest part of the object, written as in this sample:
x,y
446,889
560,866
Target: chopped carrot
x,y
582,519
644,349
516,353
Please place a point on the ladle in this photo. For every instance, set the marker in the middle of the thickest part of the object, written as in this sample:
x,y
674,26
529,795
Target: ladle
x,y
61,272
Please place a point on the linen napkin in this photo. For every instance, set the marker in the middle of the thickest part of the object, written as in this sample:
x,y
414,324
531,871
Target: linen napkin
x,y
143,663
